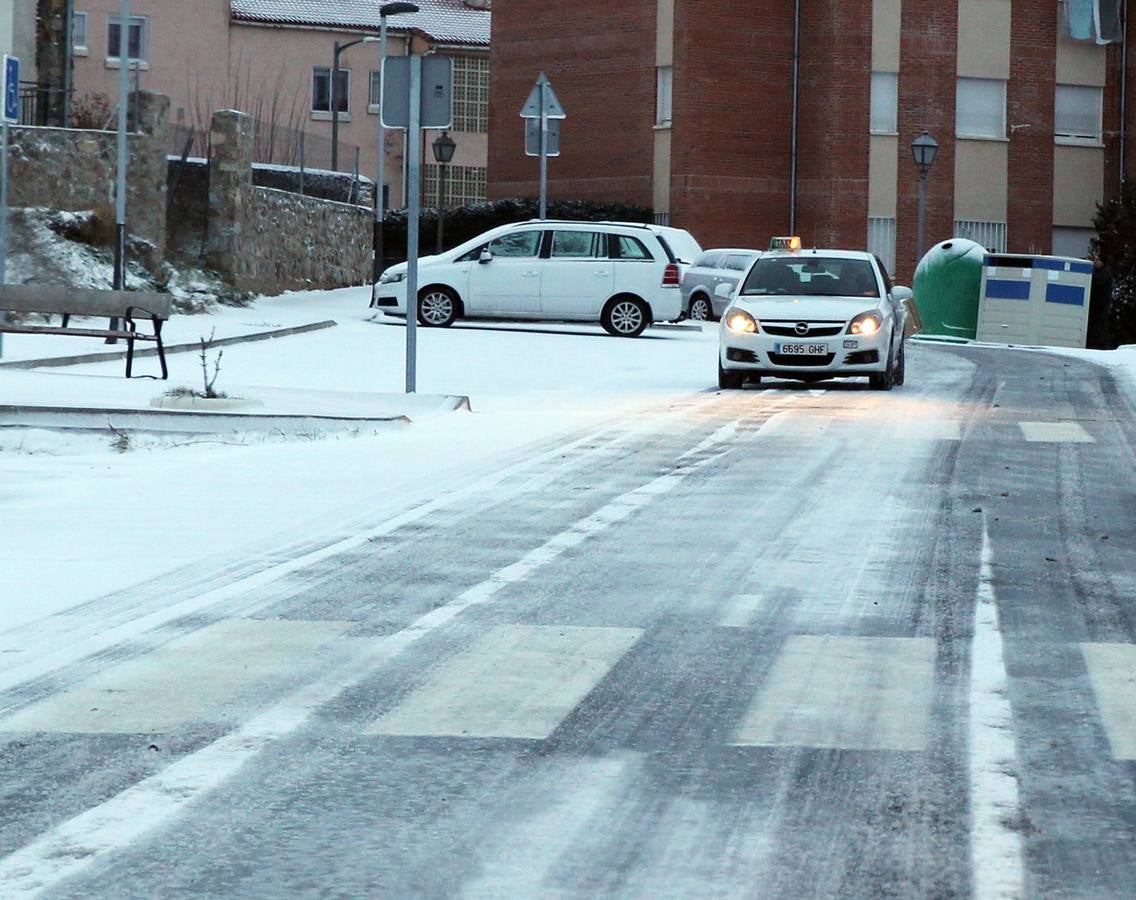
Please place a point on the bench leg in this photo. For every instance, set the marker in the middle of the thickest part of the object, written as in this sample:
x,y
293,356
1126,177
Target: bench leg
x,y
129,355
161,349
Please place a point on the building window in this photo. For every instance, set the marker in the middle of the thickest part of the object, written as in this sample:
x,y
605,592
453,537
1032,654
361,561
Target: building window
x,y
1077,113
885,103
79,34
1075,242
664,90
980,108
464,185
321,89
373,85
991,235
137,38
471,94
881,240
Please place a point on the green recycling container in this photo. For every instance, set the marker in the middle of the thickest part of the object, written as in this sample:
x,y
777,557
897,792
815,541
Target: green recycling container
x,y
948,282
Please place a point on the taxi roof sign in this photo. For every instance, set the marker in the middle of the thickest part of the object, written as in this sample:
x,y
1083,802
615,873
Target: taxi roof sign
x,y
785,243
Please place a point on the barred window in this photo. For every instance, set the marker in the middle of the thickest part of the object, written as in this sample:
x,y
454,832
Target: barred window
x,y
464,184
881,240
471,94
991,235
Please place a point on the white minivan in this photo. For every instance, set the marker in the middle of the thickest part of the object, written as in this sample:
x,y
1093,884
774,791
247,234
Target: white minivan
x,y
624,275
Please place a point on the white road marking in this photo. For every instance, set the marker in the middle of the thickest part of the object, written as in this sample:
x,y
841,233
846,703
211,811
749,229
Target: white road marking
x,y
995,844
518,681
1112,673
1055,433
79,842
851,693
740,611
189,679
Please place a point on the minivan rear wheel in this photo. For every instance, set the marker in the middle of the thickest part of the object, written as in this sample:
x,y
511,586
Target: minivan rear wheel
x,y
625,317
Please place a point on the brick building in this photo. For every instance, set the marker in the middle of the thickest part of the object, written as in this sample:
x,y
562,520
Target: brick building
x,y
687,107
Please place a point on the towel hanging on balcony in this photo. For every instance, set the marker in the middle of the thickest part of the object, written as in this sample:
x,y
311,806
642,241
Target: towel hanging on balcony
x,y
1079,17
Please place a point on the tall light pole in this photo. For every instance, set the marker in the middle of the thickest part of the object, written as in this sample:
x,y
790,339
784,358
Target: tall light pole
x,y
333,99
923,148
443,147
119,282
387,9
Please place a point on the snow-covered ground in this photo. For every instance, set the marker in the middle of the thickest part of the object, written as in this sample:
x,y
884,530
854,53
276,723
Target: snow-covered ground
x,y
82,517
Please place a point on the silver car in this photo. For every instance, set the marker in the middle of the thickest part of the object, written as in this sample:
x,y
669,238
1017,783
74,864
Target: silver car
x,y
701,280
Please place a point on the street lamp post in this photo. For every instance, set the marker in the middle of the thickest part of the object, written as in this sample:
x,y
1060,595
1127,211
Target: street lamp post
x,y
443,152
923,148
387,9
333,99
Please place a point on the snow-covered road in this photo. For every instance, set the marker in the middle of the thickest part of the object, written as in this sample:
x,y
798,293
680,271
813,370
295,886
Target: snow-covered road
x,y
613,633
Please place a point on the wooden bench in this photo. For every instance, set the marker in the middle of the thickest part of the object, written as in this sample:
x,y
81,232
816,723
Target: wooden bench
x,y
123,308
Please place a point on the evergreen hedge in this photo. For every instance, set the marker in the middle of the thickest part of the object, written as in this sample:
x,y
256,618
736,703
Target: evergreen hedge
x,y
1115,244
462,223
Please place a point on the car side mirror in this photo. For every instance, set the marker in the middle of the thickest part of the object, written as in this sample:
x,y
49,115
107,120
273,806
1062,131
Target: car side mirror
x,y
486,256
901,294
725,291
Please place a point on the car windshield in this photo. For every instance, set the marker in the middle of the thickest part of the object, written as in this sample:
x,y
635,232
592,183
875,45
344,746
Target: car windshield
x,y
817,277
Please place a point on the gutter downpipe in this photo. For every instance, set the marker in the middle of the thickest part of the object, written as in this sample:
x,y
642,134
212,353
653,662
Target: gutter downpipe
x,y
793,129
1123,96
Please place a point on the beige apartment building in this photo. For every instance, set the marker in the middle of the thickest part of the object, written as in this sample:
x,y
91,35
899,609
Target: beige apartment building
x,y
273,59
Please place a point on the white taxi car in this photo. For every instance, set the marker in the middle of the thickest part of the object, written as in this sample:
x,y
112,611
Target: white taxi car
x,y
812,315
624,275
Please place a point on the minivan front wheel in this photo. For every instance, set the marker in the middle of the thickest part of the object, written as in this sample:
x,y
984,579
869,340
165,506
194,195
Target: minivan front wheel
x,y
625,317
437,307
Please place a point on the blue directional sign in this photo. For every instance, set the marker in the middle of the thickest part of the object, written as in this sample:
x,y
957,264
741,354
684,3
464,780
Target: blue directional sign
x,y
11,89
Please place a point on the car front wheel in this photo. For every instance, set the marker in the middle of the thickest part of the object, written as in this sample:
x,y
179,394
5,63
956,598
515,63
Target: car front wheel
x,y
625,317
437,307
729,381
900,367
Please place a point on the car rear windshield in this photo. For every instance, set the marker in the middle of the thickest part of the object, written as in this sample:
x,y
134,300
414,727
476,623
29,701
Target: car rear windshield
x,y
818,277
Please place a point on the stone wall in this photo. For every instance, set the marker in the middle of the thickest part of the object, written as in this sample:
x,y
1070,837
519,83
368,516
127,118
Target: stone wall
x,y
75,170
297,242
267,240
187,209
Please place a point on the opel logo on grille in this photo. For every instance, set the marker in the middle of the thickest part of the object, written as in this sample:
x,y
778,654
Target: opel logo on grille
x,y
801,328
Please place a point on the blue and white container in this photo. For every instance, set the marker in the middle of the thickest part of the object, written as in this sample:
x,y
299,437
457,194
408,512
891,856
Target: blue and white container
x,y
1037,300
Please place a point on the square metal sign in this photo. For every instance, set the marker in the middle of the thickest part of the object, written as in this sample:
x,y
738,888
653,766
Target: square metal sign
x,y
11,89
437,92
532,137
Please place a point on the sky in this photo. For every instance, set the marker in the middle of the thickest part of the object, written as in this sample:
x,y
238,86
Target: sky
x,y
82,518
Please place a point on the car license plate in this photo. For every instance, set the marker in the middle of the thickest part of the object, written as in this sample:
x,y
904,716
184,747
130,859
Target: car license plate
x,y
801,349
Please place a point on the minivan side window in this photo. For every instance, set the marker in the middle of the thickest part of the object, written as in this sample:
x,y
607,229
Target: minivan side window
x,y
627,247
578,245
517,243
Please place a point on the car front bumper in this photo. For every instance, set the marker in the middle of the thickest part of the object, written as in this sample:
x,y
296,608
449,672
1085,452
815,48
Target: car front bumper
x,y
764,354
389,297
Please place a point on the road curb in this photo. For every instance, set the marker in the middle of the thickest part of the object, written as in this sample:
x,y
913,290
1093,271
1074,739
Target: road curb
x,y
55,361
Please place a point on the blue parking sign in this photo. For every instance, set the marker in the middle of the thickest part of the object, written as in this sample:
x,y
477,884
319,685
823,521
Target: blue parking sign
x,y
11,89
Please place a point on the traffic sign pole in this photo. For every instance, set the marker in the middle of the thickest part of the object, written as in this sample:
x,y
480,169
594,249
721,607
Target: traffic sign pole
x,y
11,89
543,155
414,152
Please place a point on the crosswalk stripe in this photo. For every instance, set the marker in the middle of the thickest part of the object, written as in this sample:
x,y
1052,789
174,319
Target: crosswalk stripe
x,y
854,693
1055,433
189,679
1112,673
518,681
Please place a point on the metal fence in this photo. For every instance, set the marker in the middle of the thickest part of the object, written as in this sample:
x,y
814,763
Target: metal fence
x,y
37,102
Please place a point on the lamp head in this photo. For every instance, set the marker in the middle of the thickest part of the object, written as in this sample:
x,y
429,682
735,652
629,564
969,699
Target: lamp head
x,y
924,148
397,6
443,148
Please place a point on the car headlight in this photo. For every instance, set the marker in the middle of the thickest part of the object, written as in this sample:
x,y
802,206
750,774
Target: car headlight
x,y
866,324
392,277
741,322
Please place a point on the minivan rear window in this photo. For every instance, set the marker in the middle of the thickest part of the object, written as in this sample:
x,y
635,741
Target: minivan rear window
x,y
627,247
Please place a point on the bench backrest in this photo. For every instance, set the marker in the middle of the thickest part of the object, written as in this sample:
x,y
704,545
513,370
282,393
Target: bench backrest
x,y
50,298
